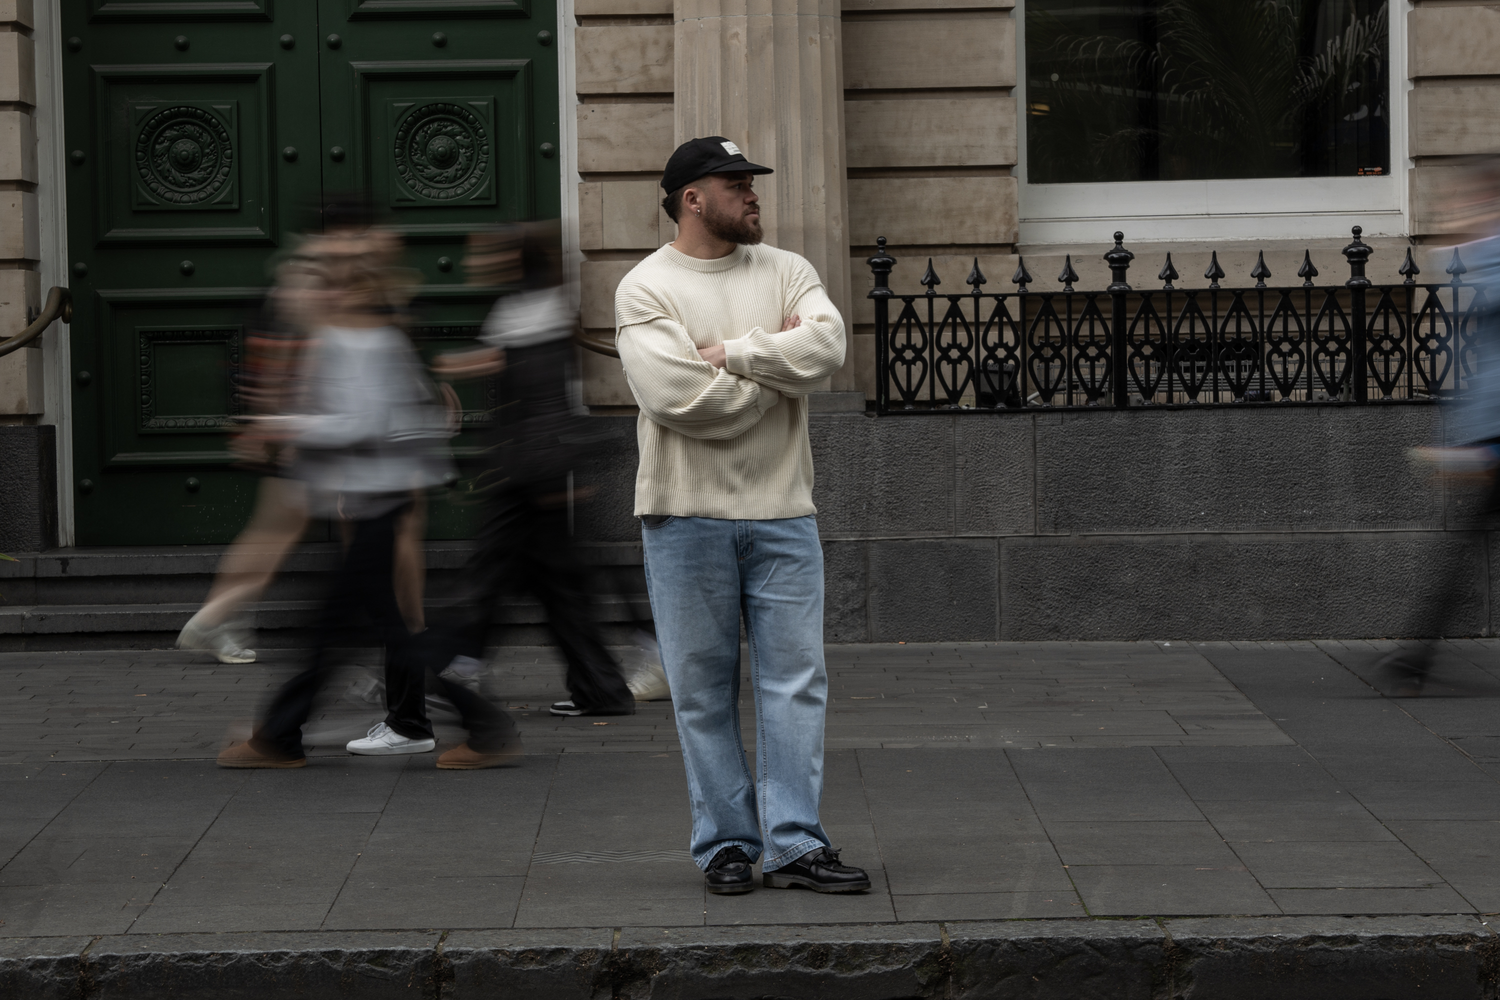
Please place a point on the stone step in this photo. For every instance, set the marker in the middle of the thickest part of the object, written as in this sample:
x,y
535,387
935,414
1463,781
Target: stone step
x,y
52,619
141,597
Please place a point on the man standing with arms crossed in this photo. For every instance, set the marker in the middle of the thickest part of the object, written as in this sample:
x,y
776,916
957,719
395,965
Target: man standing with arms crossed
x,y
722,339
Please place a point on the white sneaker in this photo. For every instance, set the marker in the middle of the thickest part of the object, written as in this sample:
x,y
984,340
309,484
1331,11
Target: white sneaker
x,y
649,683
464,671
383,741
219,641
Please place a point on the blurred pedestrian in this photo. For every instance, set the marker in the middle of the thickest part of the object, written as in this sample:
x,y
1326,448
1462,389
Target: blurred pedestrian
x,y
274,342
1471,206
539,434
365,430
722,339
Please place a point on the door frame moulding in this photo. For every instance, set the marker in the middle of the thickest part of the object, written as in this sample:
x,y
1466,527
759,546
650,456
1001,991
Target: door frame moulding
x,y
52,210
567,138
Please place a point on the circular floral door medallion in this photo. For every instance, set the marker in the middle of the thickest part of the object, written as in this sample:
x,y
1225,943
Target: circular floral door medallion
x,y
442,153
184,156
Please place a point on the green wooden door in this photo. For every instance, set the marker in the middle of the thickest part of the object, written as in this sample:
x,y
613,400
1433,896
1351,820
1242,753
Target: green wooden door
x,y
201,133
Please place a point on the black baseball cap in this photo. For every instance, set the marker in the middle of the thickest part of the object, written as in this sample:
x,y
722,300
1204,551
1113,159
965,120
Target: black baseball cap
x,y
711,155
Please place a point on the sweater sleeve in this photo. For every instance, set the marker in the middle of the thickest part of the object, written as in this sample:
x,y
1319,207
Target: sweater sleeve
x,y
675,387
794,362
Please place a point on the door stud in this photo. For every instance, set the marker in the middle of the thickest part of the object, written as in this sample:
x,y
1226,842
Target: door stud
x,y
187,268
289,154
181,41
336,154
334,41
439,39
287,41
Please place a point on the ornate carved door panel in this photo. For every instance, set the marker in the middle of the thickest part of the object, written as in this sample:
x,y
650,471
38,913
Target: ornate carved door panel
x,y
200,133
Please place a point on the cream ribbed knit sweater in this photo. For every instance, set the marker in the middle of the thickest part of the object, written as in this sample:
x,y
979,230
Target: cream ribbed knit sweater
x,y
715,442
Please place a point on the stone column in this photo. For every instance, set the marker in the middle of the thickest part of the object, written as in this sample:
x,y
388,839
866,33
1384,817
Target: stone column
x,y
768,74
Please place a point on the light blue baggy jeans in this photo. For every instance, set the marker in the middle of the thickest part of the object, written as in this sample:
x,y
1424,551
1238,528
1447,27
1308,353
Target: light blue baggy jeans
x,y
701,573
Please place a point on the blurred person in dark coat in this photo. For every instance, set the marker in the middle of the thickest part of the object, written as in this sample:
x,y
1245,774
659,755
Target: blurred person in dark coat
x,y
539,434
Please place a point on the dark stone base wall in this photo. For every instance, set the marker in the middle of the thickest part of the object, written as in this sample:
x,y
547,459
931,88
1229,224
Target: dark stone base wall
x,y
28,489
1219,523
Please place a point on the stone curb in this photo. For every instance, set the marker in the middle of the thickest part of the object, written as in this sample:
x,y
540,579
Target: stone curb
x,y
1290,958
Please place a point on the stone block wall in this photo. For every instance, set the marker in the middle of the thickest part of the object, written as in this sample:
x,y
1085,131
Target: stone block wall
x,y
1454,106
624,77
1206,523
21,382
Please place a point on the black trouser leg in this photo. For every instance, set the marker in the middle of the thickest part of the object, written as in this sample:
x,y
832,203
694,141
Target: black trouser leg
x,y
490,727
559,580
362,583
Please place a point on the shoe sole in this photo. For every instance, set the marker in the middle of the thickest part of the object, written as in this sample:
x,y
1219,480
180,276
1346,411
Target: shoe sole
x,y
800,881
265,764
426,746
496,760
226,658
730,890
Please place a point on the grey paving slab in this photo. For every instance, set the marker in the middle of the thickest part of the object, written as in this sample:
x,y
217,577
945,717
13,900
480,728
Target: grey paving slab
x,y
92,908
1033,905
1139,842
388,899
167,917
1308,865
1350,900
1130,890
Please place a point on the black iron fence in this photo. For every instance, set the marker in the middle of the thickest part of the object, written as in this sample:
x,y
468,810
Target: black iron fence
x,y
1356,342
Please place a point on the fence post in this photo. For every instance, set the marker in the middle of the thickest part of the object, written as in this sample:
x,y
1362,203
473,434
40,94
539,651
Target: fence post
x,y
1119,262
880,267
1357,253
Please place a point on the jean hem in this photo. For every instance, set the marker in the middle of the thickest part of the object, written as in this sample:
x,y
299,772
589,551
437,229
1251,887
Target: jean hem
x,y
750,849
791,854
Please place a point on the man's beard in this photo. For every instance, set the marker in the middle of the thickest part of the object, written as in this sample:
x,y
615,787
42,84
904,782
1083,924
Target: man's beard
x,y
739,229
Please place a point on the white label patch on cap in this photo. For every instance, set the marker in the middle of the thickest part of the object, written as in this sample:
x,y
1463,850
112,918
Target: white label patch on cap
x,y
731,149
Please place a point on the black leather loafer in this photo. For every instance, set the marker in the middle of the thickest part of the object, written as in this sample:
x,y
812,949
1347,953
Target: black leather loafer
x,y
820,871
729,872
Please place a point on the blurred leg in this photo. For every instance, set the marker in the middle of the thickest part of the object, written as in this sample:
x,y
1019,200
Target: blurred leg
x,y
277,525
411,563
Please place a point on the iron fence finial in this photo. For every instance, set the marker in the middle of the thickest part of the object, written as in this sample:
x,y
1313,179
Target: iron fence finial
x,y
1409,269
930,278
1119,263
1022,277
1214,272
1456,268
976,276
1307,272
1068,275
1357,254
880,266
1260,272
1168,274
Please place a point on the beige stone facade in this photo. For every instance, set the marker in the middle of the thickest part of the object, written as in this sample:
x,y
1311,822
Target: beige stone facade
x,y
22,385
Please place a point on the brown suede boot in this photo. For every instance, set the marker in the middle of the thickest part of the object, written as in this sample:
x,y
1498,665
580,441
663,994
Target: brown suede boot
x,y
247,754
465,758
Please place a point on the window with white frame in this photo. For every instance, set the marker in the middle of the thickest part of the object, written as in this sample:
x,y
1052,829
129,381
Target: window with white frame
x,y
1195,119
